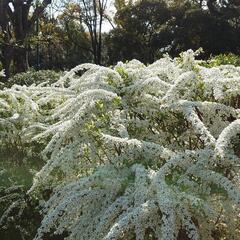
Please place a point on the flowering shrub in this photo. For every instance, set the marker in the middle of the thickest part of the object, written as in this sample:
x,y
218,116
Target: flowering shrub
x,y
19,216
24,111
34,77
141,152
2,73
224,59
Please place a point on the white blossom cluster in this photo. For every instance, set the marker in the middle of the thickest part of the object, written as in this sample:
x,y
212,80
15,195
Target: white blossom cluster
x,y
142,152
2,73
25,111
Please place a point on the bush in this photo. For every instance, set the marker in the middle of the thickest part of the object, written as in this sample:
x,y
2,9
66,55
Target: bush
x,y
24,112
145,153
141,152
34,77
224,59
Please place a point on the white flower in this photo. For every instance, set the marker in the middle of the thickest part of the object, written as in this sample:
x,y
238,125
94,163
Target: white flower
x,y
2,73
134,150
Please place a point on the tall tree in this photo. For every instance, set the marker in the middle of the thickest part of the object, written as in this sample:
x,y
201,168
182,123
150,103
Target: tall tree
x,y
224,8
92,14
138,25
17,18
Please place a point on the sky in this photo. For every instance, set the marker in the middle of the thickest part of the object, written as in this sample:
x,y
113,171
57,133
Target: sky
x,y
106,27
110,11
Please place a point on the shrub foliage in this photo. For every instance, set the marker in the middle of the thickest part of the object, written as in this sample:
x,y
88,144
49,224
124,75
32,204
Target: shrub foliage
x,y
34,77
134,151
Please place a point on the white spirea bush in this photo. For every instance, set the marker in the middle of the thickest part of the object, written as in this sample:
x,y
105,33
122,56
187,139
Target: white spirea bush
x,y
142,152
2,73
26,111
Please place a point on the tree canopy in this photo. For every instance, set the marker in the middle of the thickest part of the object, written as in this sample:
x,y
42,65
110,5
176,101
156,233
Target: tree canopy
x,y
143,29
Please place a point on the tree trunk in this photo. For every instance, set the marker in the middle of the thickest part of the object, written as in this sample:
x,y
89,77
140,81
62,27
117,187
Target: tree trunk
x,y
20,60
16,24
7,56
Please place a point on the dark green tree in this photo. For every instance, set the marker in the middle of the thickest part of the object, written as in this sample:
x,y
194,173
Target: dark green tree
x,y
147,29
197,28
63,42
136,30
16,24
